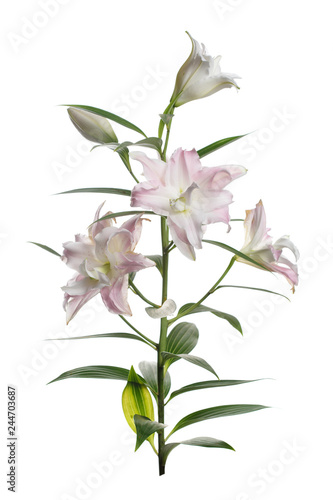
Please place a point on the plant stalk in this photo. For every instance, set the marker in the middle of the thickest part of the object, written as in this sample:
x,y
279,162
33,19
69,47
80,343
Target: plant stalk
x,y
162,345
210,291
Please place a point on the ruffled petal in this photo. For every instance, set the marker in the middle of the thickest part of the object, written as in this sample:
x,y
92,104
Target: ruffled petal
x,y
134,226
80,286
101,241
72,304
98,226
216,178
256,233
284,242
189,68
216,208
288,270
121,241
183,166
146,196
115,296
75,252
153,169
132,263
180,239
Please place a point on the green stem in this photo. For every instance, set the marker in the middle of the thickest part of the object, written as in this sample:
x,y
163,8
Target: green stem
x,y
169,246
210,291
136,180
151,342
162,345
137,292
166,142
162,124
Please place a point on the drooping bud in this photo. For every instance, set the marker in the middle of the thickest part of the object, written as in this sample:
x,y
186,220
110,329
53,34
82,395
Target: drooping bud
x,y
93,127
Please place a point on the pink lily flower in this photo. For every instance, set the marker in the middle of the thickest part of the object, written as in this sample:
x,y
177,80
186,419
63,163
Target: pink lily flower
x,y
200,76
188,194
102,261
260,247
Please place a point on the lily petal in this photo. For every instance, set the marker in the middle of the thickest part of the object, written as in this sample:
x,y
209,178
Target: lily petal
x,y
153,169
115,297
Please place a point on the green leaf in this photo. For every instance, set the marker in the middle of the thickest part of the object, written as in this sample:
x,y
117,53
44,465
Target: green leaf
x,y
149,142
217,145
122,214
96,371
110,116
236,252
200,308
123,192
44,247
149,372
205,442
208,384
122,335
136,400
181,340
252,288
215,412
191,359
145,428
158,259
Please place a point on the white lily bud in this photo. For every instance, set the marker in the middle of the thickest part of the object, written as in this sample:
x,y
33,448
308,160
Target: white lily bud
x,y
200,76
167,308
93,127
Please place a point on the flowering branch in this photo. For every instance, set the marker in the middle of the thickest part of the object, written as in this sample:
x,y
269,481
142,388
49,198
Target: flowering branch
x,y
187,197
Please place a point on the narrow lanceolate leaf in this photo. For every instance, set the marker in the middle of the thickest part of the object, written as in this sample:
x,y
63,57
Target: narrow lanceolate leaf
x,y
205,442
158,259
235,252
136,400
200,308
252,288
120,335
44,247
145,428
149,372
96,371
215,412
110,116
191,359
217,145
122,214
181,340
208,384
105,190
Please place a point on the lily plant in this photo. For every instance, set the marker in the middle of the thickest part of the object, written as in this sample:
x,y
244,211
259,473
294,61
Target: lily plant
x,y
186,196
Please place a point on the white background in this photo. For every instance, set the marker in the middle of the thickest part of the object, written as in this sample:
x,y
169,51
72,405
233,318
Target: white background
x,y
100,53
